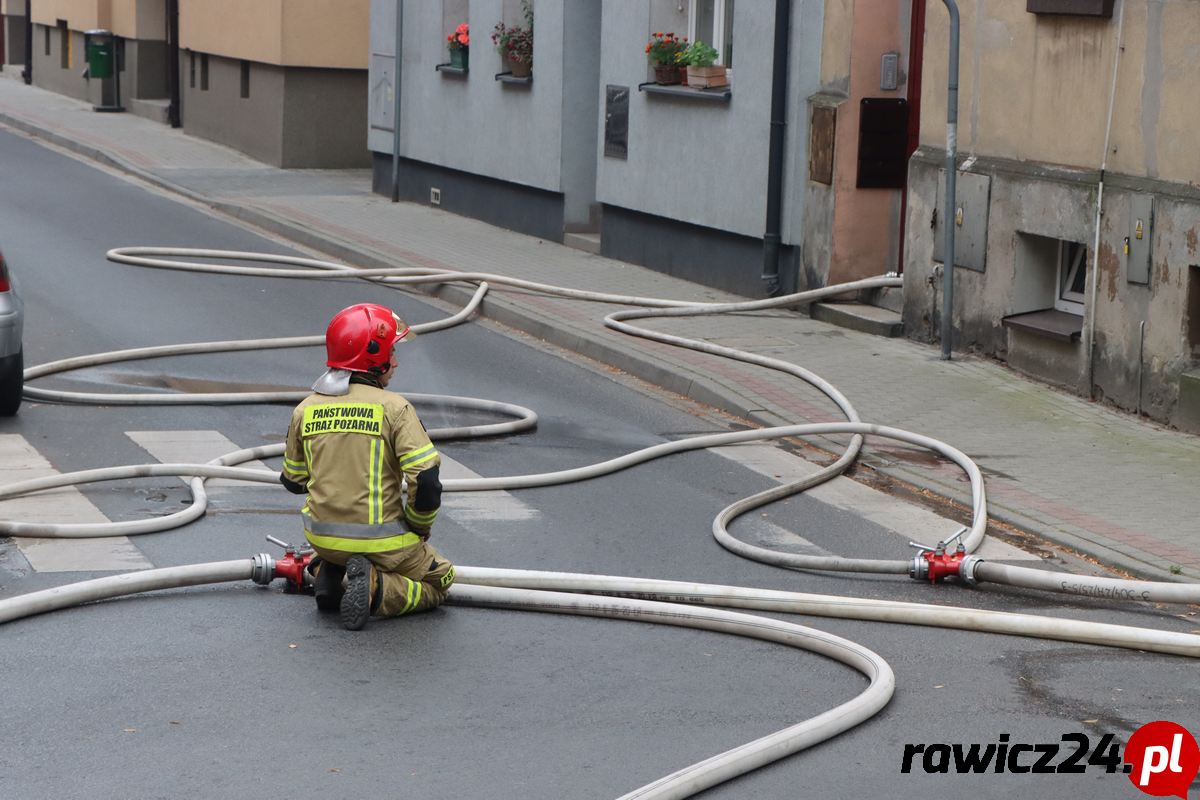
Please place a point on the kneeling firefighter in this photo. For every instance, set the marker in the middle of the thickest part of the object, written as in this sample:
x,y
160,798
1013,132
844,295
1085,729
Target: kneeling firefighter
x,y
349,445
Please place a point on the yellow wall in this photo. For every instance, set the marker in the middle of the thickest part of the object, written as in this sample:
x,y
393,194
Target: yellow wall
x,y
81,15
1037,88
140,19
308,33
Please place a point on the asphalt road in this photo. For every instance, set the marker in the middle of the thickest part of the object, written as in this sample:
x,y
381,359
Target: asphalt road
x,y
239,690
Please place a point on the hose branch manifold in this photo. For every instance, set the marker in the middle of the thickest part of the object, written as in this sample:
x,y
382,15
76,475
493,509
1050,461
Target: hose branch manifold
x,y
938,563
292,567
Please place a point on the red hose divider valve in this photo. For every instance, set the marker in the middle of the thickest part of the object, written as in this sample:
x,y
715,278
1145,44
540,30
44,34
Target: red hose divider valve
x,y
936,564
293,567
941,565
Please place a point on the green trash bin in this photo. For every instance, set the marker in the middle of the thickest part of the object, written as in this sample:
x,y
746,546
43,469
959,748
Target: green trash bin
x,y
100,53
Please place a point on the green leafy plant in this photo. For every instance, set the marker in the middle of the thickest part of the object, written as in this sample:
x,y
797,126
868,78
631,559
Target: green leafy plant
x,y
516,42
699,54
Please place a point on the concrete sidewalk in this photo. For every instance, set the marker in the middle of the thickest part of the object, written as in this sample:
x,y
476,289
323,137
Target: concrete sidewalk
x,y
1105,484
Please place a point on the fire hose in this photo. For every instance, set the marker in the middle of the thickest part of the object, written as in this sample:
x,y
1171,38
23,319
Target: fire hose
x,y
576,593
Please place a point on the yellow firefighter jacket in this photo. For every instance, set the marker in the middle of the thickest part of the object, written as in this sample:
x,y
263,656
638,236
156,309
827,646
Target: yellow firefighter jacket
x,y
350,453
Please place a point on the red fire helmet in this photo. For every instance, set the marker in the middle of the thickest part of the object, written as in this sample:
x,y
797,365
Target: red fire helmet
x,y
361,337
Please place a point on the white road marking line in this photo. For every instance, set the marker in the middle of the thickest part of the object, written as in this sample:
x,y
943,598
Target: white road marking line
x,y
903,519
203,445
467,507
194,447
21,461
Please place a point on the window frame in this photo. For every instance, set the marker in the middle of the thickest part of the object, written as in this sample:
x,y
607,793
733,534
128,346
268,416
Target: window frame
x,y
1066,274
720,10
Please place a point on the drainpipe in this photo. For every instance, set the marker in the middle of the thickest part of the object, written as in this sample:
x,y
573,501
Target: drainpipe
x,y
173,110
948,220
771,237
1095,281
396,103
27,74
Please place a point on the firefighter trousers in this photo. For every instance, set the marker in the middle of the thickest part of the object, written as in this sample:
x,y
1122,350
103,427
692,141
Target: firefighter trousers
x,y
414,578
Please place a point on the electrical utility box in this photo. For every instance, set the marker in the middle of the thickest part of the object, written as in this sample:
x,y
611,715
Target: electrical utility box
x,y
1139,249
970,219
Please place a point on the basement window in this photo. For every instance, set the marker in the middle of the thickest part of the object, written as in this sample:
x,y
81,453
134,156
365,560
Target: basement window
x,y
245,79
1048,287
1072,277
46,40
191,69
204,72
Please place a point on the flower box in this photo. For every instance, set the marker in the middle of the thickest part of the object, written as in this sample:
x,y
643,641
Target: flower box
x,y
707,77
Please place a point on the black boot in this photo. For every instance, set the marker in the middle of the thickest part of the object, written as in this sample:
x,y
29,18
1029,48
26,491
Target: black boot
x,y
359,600
327,585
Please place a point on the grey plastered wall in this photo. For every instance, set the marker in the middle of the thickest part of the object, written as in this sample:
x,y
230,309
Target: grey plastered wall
x,y
473,123
1031,206
700,162
145,73
580,111
48,72
252,125
324,118
1162,304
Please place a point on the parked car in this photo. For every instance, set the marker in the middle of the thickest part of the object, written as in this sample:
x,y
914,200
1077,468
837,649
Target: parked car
x,y
12,363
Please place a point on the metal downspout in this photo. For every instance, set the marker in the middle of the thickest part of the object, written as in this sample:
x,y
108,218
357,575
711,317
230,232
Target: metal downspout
x,y
779,69
1094,282
396,103
948,219
174,117
27,74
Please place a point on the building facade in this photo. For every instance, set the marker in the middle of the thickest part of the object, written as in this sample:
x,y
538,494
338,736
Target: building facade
x,y
1077,218
679,179
282,80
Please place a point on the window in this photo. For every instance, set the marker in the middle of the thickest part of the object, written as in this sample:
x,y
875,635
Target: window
x,y
1072,277
245,79
64,44
191,69
46,30
711,21
204,72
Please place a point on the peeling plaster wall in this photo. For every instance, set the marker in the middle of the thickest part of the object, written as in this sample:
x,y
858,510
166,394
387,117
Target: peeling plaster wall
x,y
1034,100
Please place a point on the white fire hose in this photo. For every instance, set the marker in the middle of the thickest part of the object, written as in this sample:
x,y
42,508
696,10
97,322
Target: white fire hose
x,y
599,595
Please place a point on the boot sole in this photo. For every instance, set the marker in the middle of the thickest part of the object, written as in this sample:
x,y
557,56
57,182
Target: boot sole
x,y
356,601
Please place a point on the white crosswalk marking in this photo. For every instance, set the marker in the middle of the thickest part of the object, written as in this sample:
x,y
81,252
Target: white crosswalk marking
x,y
20,461
194,447
465,508
904,519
